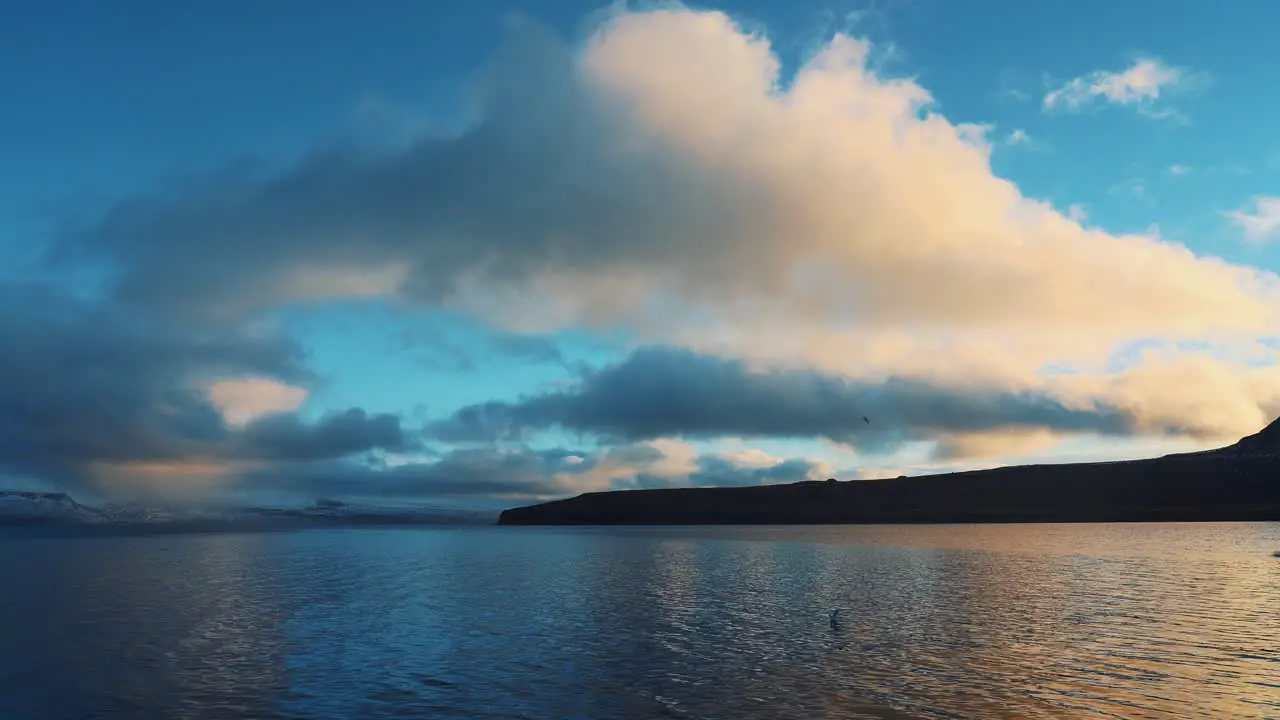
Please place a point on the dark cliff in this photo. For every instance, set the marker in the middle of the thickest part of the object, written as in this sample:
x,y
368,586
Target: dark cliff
x,y
1239,482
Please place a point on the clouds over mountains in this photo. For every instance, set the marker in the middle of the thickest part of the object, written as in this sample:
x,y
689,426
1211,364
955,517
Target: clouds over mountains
x,y
88,391
799,252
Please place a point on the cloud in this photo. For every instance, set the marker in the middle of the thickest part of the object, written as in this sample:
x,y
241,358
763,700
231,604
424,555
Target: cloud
x,y
1201,393
91,396
1262,223
602,190
241,400
1018,137
524,473
1140,86
284,436
461,473
662,392
968,445
1179,170
724,472
828,231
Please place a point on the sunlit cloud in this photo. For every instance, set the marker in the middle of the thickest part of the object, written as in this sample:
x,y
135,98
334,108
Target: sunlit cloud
x,y
241,400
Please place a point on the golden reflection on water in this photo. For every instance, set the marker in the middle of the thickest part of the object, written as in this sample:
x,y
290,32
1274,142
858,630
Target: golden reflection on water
x,y
1029,622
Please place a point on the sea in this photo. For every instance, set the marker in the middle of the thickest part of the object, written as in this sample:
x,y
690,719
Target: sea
x,y
941,621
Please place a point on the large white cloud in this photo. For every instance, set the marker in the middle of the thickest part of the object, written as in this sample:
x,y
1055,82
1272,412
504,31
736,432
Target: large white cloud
x,y
665,177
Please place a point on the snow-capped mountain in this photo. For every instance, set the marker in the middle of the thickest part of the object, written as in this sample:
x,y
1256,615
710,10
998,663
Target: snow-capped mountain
x,y
24,507
51,508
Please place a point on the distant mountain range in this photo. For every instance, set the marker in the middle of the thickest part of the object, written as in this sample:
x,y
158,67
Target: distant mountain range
x,y
1238,482
61,511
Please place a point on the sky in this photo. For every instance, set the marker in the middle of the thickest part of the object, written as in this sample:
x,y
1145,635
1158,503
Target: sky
x,y
498,253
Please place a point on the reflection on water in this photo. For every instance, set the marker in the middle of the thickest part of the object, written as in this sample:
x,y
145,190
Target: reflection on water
x,y
138,628
1063,621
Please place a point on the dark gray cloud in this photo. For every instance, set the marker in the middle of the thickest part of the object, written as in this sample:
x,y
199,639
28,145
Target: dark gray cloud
x,y
539,183
86,384
285,436
660,391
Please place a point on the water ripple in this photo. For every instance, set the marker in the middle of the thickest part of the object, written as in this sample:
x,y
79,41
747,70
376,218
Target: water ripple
x,y
943,622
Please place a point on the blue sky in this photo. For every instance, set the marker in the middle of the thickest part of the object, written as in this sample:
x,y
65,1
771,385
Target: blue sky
x,y
1143,125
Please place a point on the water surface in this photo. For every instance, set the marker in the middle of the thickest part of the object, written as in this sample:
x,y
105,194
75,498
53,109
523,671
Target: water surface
x,y
996,621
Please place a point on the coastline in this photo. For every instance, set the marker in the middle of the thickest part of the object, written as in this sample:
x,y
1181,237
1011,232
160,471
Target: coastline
x,y
1240,482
